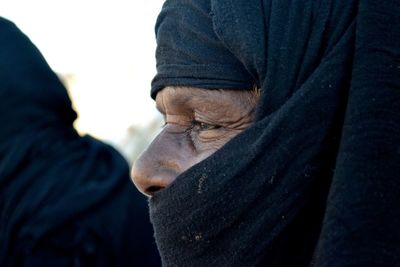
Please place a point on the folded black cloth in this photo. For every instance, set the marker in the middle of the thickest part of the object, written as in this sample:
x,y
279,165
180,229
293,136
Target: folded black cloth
x,y
65,200
315,180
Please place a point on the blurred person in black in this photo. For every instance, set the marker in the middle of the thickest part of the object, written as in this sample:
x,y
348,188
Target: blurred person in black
x,y
65,200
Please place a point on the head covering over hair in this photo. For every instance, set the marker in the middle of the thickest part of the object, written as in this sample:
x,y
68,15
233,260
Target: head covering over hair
x,y
65,200
315,179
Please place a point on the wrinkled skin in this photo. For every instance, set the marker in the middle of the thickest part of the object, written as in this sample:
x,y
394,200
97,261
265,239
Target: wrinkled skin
x,y
197,123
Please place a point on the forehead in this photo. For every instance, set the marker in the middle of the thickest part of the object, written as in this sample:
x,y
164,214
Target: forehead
x,y
190,97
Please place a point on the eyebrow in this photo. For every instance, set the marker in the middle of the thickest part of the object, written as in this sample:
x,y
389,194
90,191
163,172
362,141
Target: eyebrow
x,y
181,100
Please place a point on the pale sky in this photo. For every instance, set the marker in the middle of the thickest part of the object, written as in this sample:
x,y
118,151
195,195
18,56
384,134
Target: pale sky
x,y
107,47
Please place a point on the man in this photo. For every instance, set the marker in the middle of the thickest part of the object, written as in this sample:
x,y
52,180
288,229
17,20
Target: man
x,y
311,179
65,200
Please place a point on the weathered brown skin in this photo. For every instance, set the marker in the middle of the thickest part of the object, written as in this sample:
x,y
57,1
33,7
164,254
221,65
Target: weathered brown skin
x,y
197,123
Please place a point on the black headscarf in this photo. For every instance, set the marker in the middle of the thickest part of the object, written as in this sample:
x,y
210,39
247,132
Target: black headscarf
x,y
65,200
315,180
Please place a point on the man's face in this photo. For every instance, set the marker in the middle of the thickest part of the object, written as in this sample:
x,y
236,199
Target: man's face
x,y
197,123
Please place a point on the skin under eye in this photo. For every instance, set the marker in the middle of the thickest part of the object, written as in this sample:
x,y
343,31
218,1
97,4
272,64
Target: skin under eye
x,y
205,136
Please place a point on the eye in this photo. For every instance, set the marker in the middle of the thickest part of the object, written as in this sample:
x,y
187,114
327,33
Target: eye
x,y
202,126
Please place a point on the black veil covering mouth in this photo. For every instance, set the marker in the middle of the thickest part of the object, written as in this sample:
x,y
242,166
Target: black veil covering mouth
x,y
314,181
65,200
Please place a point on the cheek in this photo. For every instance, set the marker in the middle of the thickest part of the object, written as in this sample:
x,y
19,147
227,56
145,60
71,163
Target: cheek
x,y
208,142
174,151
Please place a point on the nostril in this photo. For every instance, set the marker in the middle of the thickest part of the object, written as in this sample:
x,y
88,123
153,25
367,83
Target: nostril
x,y
150,176
153,189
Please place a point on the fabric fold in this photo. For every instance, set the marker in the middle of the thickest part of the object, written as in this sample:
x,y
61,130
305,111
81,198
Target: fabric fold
x,y
188,49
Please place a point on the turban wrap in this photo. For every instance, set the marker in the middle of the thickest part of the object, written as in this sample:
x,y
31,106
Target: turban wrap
x,y
315,180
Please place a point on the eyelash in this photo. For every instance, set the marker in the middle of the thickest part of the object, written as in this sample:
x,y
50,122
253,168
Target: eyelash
x,y
201,126
197,126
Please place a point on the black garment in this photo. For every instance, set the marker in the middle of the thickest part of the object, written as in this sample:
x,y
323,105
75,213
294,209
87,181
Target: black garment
x,y
315,180
65,200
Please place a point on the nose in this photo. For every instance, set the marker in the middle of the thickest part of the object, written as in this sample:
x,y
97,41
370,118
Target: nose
x,y
160,164
150,175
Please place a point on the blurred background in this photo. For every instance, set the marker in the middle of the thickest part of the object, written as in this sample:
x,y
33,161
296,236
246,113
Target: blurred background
x,y
103,51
